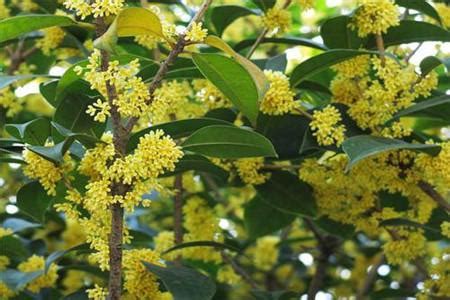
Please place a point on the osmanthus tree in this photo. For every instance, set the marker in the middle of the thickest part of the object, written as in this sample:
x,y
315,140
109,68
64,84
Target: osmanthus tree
x,y
224,149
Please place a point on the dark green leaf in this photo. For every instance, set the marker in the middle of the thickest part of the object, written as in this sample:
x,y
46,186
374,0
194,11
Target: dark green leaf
x,y
265,4
13,248
176,129
277,295
223,16
360,147
48,91
261,218
420,5
202,244
391,294
321,62
284,40
200,164
16,26
428,64
412,32
421,108
287,193
228,142
7,80
337,34
33,201
233,80
184,283
34,132
277,63
336,228
57,255
55,153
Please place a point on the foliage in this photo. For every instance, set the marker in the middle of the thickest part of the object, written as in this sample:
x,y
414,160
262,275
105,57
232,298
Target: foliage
x,y
195,150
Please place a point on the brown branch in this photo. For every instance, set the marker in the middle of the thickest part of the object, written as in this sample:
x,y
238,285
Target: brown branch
x,y
257,42
430,191
177,50
380,47
239,270
370,278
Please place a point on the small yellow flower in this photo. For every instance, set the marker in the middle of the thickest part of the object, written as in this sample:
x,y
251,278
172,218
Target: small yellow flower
x,y
277,20
375,17
36,263
279,99
325,126
444,12
196,33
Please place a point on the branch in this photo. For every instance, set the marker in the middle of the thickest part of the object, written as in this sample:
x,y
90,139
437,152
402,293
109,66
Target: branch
x,y
380,47
430,191
370,278
239,270
177,50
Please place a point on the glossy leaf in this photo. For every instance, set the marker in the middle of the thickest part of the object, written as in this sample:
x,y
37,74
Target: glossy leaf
x,y
337,34
16,280
57,255
233,80
184,283
428,64
422,107
18,225
285,192
261,218
13,248
265,4
321,62
48,91
6,80
223,16
360,147
420,5
34,132
199,163
16,26
33,201
176,129
201,244
296,41
228,142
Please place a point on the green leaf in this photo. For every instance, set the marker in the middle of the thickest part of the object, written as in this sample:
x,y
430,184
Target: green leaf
x,y
202,244
55,153
420,5
33,201
428,64
17,225
16,26
287,193
57,255
200,164
412,32
16,280
277,63
184,283
295,41
48,91
13,248
176,129
88,141
264,4
34,132
261,218
360,147
336,228
277,295
284,132
223,16
422,107
233,80
228,142
321,62
6,80
389,293
337,34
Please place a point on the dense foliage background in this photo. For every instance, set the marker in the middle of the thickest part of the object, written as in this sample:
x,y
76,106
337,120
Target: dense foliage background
x,y
253,149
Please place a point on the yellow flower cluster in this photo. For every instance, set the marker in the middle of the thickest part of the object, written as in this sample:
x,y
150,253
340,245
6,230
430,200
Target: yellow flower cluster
x,y
4,262
279,99
97,8
306,4
53,36
439,277
25,5
226,274
265,252
36,263
445,229
325,126
138,281
170,100
209,95
45,171
4,10
408,247
201,224
375,17
277,20
373,101
248,170
444,12
196,33
132,93
10,102
436,170
97,293
164,241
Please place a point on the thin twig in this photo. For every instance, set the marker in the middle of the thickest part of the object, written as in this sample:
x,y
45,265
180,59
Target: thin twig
x,y
178,209
407,58
370,278
257,42
177,50
380,47
303,112
239,270
430,191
